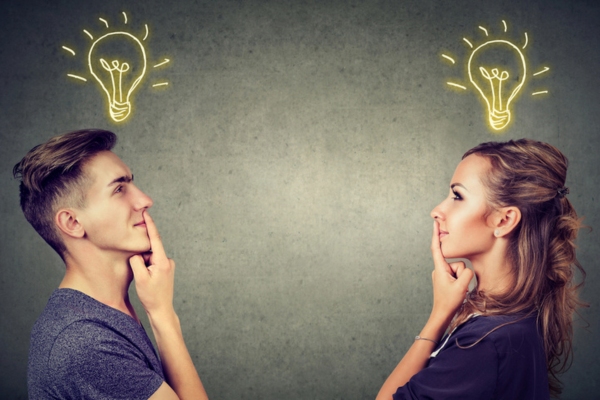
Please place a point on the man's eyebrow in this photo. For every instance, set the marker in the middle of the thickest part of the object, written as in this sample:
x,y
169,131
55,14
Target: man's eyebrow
x,y
121,179
458,184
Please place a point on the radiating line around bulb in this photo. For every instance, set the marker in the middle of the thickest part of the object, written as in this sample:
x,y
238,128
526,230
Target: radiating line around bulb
x,y
161,84
81,78
162,63
69,50
457,85
105,21
89,34
505,27
541,92
526,40
146,35
449,58
469,43
125,16
483,29
542,71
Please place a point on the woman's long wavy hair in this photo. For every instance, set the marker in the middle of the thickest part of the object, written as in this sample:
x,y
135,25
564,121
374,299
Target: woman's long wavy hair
x,y
531,176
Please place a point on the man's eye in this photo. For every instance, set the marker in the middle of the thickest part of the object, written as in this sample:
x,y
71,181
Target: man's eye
x,y
119,189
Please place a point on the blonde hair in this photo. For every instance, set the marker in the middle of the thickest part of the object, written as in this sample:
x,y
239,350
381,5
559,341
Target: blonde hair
x,y
531,176
52,177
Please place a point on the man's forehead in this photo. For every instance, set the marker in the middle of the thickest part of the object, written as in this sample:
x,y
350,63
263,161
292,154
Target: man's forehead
x,y
105,167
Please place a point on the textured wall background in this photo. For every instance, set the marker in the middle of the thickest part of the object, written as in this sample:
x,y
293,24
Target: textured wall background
x,y
293,161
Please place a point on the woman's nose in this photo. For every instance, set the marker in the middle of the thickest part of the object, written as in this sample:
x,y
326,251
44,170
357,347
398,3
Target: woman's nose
x,y
437,213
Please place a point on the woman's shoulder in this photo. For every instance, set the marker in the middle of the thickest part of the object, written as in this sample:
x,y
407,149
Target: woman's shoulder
x,y
512,321
502,330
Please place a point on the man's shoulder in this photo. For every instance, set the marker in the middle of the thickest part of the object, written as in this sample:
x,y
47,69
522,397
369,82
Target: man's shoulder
x,y
67,307
78,340
72,316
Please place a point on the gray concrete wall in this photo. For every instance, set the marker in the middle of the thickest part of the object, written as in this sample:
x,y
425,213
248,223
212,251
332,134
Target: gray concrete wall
x,y
293,160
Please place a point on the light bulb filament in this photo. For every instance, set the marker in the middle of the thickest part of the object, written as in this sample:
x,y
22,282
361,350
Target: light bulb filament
x,y
117,86
495,79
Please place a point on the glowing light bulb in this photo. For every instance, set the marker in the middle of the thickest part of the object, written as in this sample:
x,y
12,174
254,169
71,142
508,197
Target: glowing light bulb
x,y
497,69
118,62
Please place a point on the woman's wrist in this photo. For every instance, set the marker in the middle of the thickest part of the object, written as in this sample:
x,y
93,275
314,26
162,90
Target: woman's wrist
x,y
435,328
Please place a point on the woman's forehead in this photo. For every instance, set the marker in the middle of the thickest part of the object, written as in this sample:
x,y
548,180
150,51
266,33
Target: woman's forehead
x,y
470,171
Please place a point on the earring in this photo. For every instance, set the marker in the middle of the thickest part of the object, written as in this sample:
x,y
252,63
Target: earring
x,y
496,232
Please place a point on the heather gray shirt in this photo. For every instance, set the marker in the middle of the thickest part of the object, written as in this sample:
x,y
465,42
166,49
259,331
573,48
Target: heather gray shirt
x,y
83,349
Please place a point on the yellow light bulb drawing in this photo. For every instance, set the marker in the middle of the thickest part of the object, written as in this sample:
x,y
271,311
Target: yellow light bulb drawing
x,y
497,70
118,63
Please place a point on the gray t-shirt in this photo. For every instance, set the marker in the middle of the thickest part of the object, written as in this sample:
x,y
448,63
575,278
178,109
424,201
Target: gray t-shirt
x,y
83,349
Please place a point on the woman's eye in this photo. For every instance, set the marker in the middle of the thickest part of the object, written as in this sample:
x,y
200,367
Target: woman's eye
x,y
456,196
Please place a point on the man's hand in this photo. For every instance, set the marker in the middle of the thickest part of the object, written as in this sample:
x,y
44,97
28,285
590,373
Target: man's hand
x,y
154,278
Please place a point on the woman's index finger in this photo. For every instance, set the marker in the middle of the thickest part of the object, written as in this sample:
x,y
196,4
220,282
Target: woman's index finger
x,y
436,249
155,242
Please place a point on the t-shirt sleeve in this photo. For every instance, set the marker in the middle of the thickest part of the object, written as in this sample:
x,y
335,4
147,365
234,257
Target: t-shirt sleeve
x,y
89,360
456,373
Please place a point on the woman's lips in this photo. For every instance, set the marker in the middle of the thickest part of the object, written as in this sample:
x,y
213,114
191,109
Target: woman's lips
x,y
443,234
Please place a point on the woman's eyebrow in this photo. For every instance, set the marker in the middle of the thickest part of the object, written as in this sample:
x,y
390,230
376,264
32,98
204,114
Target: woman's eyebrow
x,y
458,184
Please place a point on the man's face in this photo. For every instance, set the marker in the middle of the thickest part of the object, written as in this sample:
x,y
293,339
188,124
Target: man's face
x,y
112,216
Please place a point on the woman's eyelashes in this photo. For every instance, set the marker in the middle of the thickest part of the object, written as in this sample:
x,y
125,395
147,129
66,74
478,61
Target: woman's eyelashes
x,y
457,196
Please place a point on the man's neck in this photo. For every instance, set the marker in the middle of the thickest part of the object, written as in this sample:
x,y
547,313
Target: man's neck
x,y
104,277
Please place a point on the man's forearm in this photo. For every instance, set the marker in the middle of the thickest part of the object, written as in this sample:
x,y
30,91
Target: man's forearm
x,y
178,366
154,279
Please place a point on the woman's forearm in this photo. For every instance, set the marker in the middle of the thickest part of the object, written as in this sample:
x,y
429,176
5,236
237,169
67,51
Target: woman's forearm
x,y
416,357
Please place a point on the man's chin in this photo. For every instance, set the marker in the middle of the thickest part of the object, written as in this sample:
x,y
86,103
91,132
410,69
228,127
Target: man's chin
x,y
141,251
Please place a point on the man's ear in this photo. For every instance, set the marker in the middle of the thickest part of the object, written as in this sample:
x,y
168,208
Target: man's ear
x,y
506,220
66,220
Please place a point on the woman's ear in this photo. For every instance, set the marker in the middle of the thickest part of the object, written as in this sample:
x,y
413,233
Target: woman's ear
x,y
66,220
506,220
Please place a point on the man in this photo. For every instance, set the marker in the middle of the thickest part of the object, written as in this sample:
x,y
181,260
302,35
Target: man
x,y
89,343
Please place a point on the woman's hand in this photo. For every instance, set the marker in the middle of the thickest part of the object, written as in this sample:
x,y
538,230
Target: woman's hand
x,y
450,281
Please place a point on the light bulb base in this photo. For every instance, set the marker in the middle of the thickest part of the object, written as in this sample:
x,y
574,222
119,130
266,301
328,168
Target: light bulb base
x,y
499,119
120,111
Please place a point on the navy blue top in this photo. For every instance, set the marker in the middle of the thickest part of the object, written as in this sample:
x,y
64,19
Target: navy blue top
x,y
509,363
81,348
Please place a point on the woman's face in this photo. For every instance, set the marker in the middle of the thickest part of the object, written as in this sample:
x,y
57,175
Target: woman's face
x,y
465,227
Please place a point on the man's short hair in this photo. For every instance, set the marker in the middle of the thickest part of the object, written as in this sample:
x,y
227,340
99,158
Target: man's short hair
x,y
52,177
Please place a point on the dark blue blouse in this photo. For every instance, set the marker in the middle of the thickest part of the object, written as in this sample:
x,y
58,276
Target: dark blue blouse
x,y
509,363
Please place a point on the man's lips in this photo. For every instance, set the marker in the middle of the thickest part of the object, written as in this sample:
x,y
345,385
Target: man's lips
x,y
142,224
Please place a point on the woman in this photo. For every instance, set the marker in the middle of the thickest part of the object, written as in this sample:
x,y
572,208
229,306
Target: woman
x,y
508,214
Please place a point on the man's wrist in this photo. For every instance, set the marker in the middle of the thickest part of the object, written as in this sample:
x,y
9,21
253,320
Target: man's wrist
x,y
164,320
